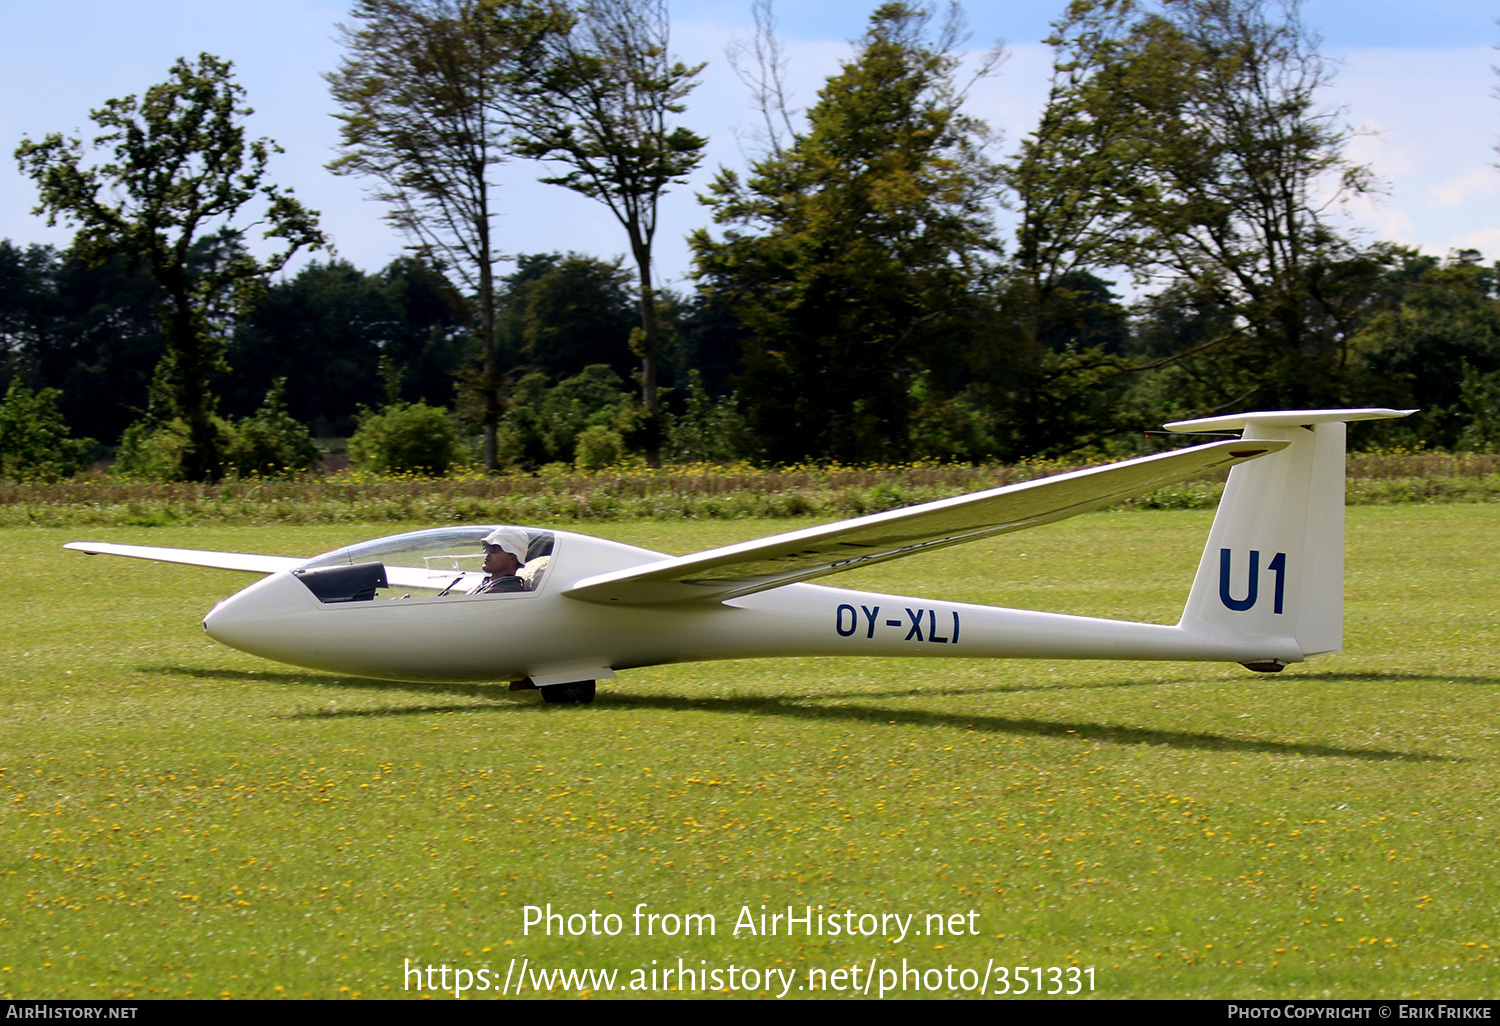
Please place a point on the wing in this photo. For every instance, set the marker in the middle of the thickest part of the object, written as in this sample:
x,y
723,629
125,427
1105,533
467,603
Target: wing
x,y
397,576
193,557
719,574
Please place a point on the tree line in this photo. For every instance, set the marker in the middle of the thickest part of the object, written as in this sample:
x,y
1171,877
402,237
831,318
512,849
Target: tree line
x,y
853,298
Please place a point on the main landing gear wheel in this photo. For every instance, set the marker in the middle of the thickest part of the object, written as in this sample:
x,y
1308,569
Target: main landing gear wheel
x,y
579,692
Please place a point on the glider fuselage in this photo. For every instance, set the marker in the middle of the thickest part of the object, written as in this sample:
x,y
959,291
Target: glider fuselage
x,y
547,634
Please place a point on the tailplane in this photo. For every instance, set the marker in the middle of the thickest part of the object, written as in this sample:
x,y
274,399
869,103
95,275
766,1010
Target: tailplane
x,y
1274,563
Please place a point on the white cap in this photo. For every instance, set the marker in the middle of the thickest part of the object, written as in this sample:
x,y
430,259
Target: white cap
x,y
511,540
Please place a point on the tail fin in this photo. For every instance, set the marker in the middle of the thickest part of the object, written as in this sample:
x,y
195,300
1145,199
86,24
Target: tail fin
x,y
1274,563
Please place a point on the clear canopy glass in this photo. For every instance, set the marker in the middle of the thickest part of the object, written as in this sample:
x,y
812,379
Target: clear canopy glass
x,y
442,552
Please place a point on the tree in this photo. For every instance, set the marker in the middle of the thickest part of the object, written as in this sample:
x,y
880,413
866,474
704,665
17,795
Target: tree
x,y
1050,374
105,344
91,331
1052,379
855,260
761,64
1480,400
564,313
325,329
1436,348
1184,140
28,303
178,172
599,102
423,97
428,334
34,441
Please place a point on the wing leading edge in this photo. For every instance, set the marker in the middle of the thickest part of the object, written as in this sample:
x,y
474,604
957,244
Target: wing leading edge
x,y
246,561
396,576
719,574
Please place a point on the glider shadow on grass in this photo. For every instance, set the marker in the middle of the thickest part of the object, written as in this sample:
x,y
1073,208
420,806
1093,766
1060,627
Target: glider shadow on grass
x,y
819,708
313,678
876,716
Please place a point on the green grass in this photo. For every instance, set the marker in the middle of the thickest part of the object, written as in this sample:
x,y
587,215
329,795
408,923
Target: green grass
x,y
181,819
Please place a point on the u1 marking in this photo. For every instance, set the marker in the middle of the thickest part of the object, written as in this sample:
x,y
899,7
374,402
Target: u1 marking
x,y
1252,592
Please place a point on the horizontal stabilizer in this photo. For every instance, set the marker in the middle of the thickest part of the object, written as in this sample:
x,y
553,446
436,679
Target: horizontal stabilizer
x,y
1284,418
735,570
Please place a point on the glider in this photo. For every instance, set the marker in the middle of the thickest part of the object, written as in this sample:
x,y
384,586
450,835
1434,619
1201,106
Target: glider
x,y
1268,590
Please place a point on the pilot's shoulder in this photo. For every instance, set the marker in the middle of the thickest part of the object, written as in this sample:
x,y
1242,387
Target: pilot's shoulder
x,y
510,582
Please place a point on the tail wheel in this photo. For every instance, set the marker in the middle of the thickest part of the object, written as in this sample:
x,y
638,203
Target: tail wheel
x,y
578,692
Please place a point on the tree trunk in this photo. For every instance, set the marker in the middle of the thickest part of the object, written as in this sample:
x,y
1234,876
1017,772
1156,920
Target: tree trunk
x,y
650,397
188,365
491,368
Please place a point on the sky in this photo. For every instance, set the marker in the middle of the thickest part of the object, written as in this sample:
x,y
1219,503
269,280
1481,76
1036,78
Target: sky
x,y
1415,82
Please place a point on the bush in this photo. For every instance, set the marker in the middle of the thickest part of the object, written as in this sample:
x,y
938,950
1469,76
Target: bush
x,y
1480,396
598,447
709,429
152,450
406,438
510,446
546,420
272,443
34,440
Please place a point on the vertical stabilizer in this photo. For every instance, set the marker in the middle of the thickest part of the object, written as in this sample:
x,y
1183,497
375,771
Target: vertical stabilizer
x,y
1274,563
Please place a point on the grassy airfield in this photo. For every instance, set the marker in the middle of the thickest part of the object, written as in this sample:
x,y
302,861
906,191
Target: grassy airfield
x,y
180,819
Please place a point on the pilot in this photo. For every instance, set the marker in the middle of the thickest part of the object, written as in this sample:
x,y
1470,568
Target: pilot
x,y
504,553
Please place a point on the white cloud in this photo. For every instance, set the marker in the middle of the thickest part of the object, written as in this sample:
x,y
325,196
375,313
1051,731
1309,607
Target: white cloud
x,y
1476,183
1427,127
1370,144
1486,240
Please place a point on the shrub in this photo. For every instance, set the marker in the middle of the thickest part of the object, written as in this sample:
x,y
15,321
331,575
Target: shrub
x,y
272,443
709,429
510,446
546,420
152,450
598,447
34,440
406,438
1480,395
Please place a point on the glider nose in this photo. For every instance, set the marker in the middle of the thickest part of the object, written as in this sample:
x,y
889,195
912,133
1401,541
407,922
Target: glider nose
x,y
256,620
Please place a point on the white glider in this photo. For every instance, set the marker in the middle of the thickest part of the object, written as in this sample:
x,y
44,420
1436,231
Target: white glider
x,y
1268,591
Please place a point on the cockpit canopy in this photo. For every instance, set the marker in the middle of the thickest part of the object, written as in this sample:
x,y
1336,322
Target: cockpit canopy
x,y
448,559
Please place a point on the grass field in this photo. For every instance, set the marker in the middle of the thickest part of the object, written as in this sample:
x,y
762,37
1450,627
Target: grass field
x,y
181,819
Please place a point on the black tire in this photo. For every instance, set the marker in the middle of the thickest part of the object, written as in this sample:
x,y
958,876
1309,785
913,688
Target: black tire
x,y
578,692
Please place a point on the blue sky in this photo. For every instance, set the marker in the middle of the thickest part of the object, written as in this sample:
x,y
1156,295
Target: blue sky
x,y
1415,80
